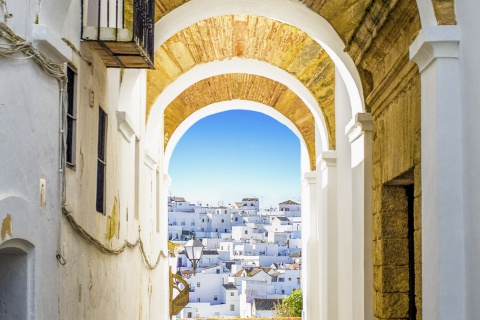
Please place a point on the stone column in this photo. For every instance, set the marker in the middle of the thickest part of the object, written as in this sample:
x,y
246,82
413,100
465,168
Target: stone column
x,y
310,261
328,236
435,51
359,132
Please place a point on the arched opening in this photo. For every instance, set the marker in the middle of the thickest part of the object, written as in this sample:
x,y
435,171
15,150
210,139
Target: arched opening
x,y
236,170
16,283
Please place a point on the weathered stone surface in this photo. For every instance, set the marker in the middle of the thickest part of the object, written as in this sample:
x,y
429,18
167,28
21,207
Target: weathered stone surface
x,y
445,11
418,180
391,305
392,225
242,86
391,252
394,198
250,37
391,279
417,213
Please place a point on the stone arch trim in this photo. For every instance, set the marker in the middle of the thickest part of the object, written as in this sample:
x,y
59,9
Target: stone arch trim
x,y
253,67
234,105
281,45
242,87
293,13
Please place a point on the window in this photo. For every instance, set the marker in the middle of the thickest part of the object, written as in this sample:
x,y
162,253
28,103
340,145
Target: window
x,y
71,114
101,164
215,298
192,223
246,231
198,284
232,307
281,279
198,299
225,230
218,271
232,294
223,220
289,279
225,211
236,219
189,315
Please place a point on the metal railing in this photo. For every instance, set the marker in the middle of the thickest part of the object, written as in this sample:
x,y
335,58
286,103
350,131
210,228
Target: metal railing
x,y
143,25
122,21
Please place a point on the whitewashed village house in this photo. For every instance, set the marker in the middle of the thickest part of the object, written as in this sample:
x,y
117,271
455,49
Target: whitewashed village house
x,y
383,96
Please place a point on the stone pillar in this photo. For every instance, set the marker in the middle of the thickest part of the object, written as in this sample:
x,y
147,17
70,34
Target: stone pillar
x,y
435,51
310,261
359,132
328,236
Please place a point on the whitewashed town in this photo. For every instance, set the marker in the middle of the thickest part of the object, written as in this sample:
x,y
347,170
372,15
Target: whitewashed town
x,y
251,258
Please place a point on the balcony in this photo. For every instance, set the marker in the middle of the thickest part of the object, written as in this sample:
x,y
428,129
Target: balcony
x,y
120,31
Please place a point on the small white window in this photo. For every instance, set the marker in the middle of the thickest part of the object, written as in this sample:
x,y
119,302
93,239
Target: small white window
x,y
198,284
215,298
232,294
232,307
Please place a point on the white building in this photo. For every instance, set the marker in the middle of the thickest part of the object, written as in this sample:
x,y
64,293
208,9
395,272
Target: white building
x,y
383,96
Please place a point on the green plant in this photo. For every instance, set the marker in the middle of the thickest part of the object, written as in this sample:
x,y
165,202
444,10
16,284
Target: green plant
x,y
291,306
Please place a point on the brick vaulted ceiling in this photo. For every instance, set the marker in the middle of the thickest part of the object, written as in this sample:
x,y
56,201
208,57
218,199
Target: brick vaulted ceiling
x,y
279,44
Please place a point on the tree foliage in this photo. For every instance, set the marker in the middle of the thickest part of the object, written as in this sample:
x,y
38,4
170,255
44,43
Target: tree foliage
x,y
291,306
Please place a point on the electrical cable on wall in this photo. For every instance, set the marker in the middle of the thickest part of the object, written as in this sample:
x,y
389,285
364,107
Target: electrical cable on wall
x,y
17,44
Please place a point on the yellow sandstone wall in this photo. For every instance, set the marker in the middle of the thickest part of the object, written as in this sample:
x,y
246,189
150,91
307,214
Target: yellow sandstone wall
x,y
392,92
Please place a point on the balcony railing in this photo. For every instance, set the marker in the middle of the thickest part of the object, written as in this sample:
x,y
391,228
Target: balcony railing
x,y
121,31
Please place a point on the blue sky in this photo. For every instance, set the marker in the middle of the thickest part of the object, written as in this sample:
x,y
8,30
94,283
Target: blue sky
x,y
235,154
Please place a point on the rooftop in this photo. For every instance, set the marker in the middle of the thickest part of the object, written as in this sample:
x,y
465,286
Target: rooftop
x,y
266,304
229,286
290,202
178,199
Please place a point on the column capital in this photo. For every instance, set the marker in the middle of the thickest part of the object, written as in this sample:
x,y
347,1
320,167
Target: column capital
x,y
359,124
328,159
167,180
310,178
150,160
435,42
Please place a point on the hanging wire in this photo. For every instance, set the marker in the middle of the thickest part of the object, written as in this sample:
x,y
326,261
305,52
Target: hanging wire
x,y
17,44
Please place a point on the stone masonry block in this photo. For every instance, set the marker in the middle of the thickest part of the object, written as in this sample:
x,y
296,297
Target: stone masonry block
x,y
377,199
392,225
377,178
417,213
418,304
390,305
376,226
391,279
417,155
394,199
391,252
417,180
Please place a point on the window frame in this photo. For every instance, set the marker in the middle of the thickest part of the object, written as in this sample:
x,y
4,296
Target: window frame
x,y
71,116
101,161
